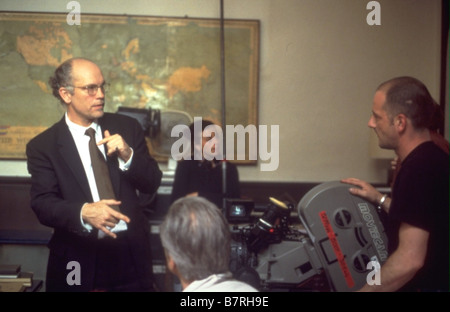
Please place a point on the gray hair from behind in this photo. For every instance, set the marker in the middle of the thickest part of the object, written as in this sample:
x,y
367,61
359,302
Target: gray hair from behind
x,y
196,235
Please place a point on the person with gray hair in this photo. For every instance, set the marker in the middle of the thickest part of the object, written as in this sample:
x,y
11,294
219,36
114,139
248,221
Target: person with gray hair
x,y
197,243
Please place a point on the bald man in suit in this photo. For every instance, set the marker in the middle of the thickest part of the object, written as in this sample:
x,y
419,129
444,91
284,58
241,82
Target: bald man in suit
x,y
112,247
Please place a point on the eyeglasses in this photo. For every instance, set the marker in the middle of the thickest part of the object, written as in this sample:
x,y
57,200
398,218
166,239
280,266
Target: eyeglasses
x,y
92,89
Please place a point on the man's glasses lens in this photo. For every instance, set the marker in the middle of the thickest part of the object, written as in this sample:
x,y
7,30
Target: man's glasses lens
x,y
93,89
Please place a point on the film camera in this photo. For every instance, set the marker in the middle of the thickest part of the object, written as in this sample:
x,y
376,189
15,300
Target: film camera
x,y
336,235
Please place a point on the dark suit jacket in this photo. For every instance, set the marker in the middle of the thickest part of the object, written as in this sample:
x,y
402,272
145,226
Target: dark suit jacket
x,y
59,188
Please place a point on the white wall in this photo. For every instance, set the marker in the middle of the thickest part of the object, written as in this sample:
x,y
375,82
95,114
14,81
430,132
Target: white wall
x,y
319,66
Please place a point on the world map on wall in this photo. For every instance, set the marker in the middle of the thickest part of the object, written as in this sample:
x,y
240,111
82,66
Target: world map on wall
x,y
169,64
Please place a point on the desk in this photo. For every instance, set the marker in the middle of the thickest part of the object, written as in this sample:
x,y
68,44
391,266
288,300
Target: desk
x,y
17,287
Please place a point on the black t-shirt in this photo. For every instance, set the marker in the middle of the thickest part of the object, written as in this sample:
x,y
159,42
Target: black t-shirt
x,y
420,197
200,176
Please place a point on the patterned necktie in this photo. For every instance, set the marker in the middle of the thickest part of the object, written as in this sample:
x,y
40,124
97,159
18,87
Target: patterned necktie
x,y
100,168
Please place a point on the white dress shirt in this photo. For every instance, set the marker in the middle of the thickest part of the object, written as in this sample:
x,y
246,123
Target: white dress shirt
x,y
82,144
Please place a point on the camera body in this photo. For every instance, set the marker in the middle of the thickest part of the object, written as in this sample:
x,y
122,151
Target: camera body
x,y
333,234
265,251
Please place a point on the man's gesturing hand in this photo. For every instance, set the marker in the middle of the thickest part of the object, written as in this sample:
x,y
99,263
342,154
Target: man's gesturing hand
x,y
101,216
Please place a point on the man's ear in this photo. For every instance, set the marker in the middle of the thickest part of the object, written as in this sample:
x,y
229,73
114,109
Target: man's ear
x,y
170,263
400,122
65,95
172,267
